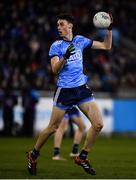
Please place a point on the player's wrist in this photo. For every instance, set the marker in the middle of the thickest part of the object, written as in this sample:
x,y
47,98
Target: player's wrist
x,y
110,27
66,55
65,58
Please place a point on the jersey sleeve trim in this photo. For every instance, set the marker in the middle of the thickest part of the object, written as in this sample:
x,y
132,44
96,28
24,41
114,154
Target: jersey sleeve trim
x,y
90,45
54,55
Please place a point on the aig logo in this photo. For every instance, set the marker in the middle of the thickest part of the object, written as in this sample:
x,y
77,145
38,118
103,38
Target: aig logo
x,y
76,56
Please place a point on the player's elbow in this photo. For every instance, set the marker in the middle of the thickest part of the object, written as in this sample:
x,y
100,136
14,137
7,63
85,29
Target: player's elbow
x,y
107,47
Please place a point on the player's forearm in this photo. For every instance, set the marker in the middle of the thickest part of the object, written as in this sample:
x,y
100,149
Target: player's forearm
x,y
108,40
58,66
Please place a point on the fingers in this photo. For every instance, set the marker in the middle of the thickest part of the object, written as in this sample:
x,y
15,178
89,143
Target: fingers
x,y
71,48
72,53
111,24
111,17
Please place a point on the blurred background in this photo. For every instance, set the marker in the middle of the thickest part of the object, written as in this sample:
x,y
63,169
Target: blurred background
x,y
28,28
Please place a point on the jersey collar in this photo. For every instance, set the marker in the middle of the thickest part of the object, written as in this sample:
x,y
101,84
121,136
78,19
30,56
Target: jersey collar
x,y
68,40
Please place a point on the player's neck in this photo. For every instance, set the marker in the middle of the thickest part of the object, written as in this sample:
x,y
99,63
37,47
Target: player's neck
x,y
68,37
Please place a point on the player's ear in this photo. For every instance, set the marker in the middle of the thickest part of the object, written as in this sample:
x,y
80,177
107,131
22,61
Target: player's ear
x,y
70,25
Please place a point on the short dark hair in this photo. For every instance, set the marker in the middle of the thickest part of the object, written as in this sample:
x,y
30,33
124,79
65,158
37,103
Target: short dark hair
x,y
67,17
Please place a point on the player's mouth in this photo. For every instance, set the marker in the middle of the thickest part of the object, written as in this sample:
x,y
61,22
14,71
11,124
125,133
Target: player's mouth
x,y
60,33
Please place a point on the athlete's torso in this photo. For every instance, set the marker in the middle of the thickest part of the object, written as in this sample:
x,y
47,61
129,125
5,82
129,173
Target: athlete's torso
x,y
71,74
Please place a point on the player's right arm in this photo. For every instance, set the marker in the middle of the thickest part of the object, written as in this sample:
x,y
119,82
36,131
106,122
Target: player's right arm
x,y
57,64
57,60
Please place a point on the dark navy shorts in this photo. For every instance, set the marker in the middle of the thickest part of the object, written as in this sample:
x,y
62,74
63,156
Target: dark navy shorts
x,y
71,113
65,98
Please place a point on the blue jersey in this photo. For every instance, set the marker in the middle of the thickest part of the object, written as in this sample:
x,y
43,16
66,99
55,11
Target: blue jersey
x,y
71,75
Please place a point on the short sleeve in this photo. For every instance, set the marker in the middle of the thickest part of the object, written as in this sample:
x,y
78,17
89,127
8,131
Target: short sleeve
x,y
54,50
87,42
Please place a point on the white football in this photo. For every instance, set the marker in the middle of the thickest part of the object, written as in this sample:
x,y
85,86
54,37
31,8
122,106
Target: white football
x,y
101,20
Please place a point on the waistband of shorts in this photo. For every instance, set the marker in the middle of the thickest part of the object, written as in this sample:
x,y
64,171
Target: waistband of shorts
x,y
84,85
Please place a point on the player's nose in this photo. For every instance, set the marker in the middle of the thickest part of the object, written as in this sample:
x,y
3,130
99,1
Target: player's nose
x,y
59,28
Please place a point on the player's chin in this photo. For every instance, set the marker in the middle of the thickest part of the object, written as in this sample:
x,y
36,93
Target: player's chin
x,y
60,34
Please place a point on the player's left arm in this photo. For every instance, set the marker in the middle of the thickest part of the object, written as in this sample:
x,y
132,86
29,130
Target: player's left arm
x,y
106,44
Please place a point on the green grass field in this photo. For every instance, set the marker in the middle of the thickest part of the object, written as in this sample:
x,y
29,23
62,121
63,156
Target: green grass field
x,y
112,158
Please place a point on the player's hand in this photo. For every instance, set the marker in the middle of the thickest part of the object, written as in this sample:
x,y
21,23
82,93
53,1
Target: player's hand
x,y
111,24
70,51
